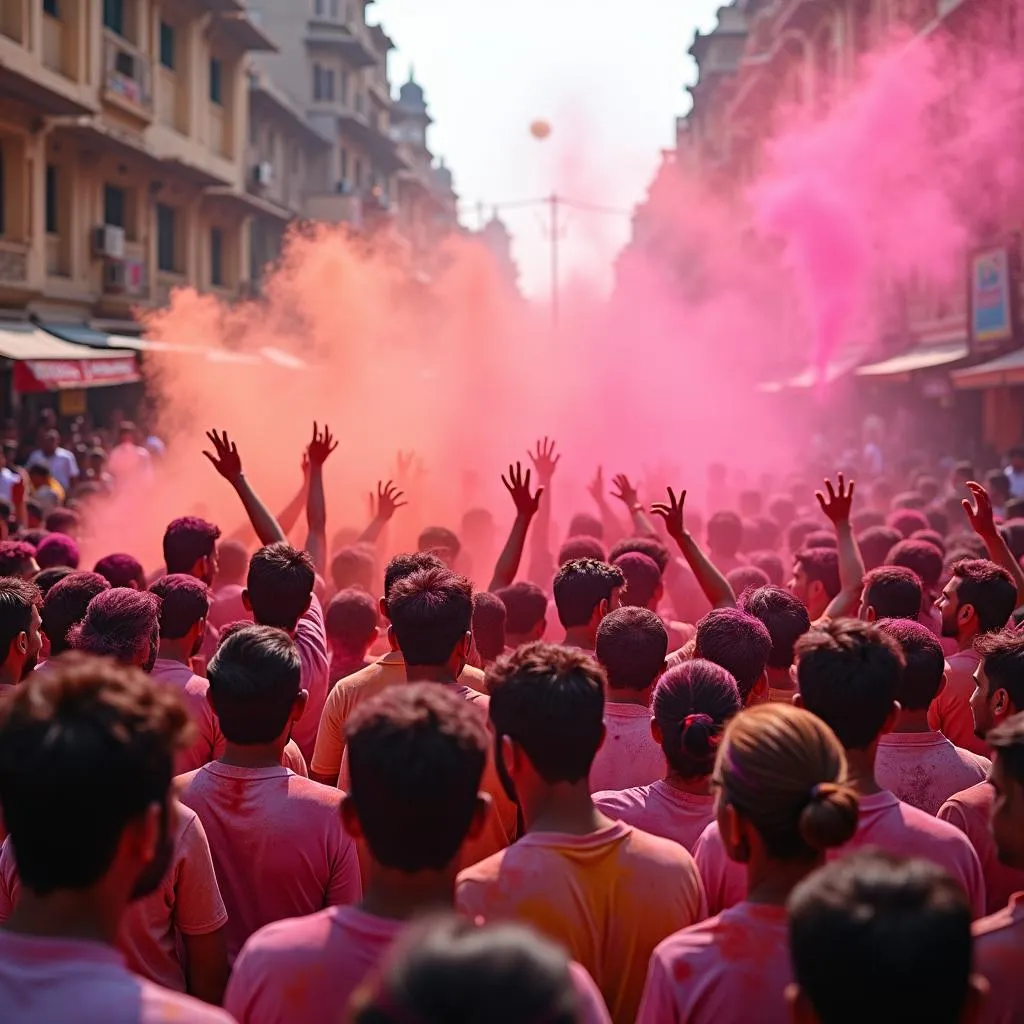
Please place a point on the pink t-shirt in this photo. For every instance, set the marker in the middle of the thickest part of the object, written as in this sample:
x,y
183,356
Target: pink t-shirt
x,y
884,822
227,607
306,968
209,743
660,809
45,981
971,812
924,769
311,641
950,712
998,957
629,756
188,902
278,845
734,967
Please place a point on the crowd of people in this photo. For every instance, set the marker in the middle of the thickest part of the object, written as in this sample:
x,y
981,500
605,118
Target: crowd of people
x,y
767,768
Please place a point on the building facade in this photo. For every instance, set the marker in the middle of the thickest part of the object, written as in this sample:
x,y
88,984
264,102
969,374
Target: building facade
x,y
123,153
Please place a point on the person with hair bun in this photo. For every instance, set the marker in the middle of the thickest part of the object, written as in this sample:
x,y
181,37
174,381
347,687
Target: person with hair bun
x,y
783,802
691,705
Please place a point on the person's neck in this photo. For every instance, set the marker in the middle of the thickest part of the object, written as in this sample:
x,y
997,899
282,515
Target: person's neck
x,y
257,755
580,636
642,698
562,807
771,882
176,651
698,787
860,766
342,656
780,679
913,721
965,641
816,610
81,915
399,896
429,674
10,675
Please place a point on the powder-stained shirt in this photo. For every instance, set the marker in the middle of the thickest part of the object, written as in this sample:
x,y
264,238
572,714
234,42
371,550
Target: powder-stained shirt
x,y
971,812
46,980
661,810
348,693
305,968
734,967
209,743
950,712
629,755
187,902
608,897
998,957
278,845
885,822
924,769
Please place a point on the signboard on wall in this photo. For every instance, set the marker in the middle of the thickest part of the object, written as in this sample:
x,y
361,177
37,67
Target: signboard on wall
x,y
992,296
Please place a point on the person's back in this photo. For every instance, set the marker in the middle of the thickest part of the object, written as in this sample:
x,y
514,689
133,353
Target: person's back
x,y
86,753
277,840
631,646
606,891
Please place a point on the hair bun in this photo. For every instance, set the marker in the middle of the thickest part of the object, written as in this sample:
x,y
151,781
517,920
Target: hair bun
x,y
698,735
830,817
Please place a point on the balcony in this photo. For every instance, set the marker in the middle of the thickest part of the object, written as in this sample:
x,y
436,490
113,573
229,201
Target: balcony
x,y
348,40
336,208
127,76
13,264
172,102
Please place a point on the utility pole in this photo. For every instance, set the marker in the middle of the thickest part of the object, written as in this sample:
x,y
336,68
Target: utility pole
x,y
554,202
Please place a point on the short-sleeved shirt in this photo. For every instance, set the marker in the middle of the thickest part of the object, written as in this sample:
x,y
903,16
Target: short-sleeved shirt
x,y
661,810
608,897
187,902
998,958
277,841
227,606
48,980
950,712
62,464
734,967
629,755
209,743
348,693
971,812
924,769
885,822
311,642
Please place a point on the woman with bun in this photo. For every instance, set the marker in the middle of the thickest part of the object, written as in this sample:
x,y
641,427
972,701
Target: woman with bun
x,y
783,802
690,706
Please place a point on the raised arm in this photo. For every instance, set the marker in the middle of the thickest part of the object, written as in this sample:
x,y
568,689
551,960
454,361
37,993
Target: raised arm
x,y
715,586
545,462
613,530
983,522
320,449
836,505
228,463
627,494
526,508
389,500
287,517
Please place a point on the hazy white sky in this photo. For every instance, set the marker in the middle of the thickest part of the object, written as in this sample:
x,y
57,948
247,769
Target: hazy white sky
x,y
607,74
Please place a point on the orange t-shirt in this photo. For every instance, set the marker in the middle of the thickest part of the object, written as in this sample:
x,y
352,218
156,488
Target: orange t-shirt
x,y
998,957
608,897
950,712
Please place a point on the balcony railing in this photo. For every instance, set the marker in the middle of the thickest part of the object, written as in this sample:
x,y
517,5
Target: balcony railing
x,y
127,73
13,263
335,208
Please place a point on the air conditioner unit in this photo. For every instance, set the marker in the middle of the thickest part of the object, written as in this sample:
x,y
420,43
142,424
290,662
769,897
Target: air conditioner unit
x,y
263,173
108,241
115,276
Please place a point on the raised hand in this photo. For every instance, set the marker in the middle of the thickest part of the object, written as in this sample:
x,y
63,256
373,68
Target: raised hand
x,y
596,486
387,502
321,447
980,514
519,487
226,461
545,461
836,505
672,513
626,492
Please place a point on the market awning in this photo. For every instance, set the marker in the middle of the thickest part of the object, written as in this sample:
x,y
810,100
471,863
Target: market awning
x,y
43,362
839,366
1008,369
921,357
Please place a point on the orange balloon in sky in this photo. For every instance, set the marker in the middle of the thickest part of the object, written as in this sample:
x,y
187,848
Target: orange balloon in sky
x,y
540,129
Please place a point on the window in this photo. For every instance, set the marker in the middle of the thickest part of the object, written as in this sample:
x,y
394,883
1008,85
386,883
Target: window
x,y
319,6
114,206
217,258
166,238
359,172
344,87
52,199
335,4
344,165
323,83
167,45
113,16
52,8
216,80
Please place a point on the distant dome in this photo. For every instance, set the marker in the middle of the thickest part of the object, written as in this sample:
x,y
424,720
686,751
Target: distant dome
x,y
411,95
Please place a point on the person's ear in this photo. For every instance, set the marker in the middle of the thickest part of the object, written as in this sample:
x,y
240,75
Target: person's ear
x,y
760,690
21,643
382,607
656,733
479,820
943,683
246,600
975,1004
299,705
965,613
999,702
509,754
800,1009
891,719
349,817
871,615
816,591
798,701
145,835
133,585
602,608
793,676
